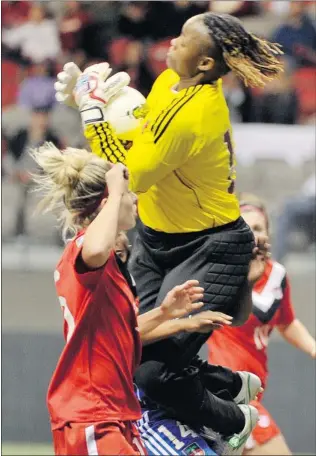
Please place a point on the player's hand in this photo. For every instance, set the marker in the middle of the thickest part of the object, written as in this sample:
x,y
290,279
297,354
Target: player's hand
x,y
94,89
262,247
256,269
182,300
117,180
65,84
73,87
207,321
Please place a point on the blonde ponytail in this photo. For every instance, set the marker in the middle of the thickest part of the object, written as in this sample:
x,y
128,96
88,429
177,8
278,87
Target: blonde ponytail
x,y
73,183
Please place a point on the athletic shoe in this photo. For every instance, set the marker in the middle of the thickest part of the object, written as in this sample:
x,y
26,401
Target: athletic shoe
x,y
237,442
250,388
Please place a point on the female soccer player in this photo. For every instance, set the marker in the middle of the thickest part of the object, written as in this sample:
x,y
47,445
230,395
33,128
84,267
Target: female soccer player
x,y
246,347
182,168
91,397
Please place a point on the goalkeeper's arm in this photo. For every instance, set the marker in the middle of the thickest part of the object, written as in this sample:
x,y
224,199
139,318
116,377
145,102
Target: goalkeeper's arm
x,y
104,143
153,155
149,160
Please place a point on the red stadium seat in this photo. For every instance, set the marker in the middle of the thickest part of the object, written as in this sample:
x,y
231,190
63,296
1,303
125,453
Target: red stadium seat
x,y
157,54
10,82
117,51
304,81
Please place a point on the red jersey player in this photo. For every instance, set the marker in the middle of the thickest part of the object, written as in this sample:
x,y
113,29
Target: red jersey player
x,y
91,399
245,347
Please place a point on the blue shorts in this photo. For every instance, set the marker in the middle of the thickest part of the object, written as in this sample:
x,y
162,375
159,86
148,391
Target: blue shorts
x,y
164,436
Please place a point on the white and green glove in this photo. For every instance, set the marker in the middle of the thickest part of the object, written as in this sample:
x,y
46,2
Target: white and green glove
x,y
90,90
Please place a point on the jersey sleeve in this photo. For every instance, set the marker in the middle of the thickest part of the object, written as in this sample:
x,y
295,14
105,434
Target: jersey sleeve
x,y
104,143
287,312
152,156
88,278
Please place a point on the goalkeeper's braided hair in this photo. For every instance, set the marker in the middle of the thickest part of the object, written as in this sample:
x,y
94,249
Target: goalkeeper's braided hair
x,y
252,59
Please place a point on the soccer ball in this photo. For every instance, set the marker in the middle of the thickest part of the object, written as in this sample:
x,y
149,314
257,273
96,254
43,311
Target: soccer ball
x,y
125,113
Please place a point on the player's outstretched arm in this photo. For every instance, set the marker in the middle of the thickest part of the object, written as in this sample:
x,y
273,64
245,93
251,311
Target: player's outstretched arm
x,y
179,302
166,320
203,322
298,335
154,154
100,236
90,92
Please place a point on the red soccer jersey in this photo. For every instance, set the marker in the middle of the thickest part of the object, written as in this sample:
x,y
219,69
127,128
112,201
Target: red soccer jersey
x,y
245,347
93,380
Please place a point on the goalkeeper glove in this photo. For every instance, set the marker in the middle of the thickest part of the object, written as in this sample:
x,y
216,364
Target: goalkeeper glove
x,y
90,90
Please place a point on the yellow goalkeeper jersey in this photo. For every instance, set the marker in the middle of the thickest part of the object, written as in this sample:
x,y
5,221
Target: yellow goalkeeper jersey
x,y
182,165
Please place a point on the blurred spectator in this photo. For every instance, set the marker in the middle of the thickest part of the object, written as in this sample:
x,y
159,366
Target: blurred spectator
x,y
37,90
298,35
278,101
133,20
37,133
14,13
236,8
167,18
239,99
36,40
299,211
72,25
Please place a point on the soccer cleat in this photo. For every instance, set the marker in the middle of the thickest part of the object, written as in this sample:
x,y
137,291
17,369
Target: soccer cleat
x,y
250,388
237,442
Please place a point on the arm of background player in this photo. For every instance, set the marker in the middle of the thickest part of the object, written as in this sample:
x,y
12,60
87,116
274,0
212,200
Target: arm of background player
x,y
293,330
150,158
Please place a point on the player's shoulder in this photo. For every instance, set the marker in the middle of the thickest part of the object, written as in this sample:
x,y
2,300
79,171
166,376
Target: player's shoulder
x,y
275,273
277,267
167,78
208,103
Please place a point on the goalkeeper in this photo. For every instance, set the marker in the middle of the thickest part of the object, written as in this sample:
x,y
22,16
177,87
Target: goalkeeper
x,y
182,168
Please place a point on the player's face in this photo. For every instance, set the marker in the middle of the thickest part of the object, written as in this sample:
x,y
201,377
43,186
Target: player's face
x,y
127,216
187,55
256,221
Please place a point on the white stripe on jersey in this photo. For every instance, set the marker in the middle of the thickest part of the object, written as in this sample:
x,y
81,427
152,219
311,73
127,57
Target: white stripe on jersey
x,y
272,289
154,438
90,440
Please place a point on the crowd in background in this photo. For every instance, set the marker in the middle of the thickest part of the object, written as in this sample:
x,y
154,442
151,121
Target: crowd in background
x,y
39,37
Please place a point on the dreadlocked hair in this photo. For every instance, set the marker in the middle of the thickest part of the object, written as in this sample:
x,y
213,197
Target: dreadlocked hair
x,y
252,59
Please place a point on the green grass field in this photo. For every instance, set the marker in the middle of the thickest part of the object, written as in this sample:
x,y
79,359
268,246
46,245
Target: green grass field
x,y
26,449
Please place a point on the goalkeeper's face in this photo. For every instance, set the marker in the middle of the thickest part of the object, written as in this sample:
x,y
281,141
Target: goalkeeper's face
x,y
188,54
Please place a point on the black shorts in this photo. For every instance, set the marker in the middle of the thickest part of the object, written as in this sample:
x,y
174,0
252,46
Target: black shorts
x,y
218,258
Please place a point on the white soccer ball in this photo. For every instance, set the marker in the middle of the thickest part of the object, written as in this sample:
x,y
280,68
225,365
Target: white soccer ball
x,y
125,113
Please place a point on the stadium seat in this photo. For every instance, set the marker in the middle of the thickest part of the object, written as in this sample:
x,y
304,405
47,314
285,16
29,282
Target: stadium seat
x,y
10,80
304,81
156,55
